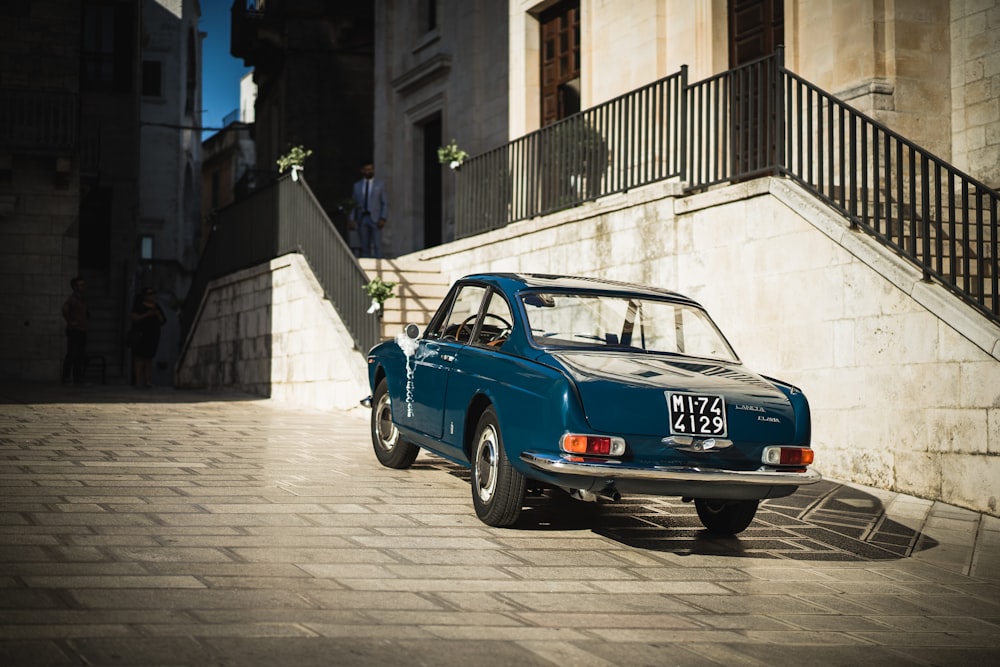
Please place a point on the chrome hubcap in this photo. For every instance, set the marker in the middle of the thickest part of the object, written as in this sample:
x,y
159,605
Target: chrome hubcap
x,y
487,458
385,429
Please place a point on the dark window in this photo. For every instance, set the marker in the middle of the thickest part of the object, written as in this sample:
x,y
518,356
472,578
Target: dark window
x,y
215,190
152,78
191,87
433,182
430,15
560,33
108,43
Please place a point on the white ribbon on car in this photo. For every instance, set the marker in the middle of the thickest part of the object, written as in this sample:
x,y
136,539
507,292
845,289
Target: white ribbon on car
x,y
409,347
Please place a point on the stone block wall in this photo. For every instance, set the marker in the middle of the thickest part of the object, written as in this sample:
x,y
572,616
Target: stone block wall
x,y
269,331
975,93
904,381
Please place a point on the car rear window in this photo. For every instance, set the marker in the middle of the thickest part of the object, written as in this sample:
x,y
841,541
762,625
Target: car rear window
x,y
571,319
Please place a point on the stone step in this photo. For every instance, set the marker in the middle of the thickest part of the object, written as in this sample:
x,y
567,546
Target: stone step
x,y
418,291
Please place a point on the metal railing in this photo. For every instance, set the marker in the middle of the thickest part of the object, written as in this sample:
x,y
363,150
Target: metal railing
x,y
733,126
751,121
925,209
283,218
40,122
621,144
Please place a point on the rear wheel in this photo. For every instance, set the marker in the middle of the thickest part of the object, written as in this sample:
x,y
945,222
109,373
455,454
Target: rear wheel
x,y
497,489
726,517
390,449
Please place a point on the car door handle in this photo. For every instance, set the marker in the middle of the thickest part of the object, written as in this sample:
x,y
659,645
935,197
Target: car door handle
x,y
447,357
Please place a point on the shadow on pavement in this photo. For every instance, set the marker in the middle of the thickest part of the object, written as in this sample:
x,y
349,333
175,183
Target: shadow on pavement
x,y
822,522
54,393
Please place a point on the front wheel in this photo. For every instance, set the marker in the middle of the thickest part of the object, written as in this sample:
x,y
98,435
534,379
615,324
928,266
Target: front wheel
x,y
726,517
497,489
390,449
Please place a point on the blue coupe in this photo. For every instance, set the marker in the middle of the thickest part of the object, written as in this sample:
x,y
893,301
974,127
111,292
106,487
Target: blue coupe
x,y
590,386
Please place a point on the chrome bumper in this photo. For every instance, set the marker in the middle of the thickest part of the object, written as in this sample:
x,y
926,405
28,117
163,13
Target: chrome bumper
x,y
612,470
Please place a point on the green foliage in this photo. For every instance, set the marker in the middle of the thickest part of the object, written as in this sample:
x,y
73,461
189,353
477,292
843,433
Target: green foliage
x,y
577,147
452,155
379,290
295,157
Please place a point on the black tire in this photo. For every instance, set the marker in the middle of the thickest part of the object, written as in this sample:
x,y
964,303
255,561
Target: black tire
x,y
726,517
390,449
497,489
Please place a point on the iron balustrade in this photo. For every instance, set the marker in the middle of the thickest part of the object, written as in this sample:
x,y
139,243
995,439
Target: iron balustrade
x,y
754,120
38,122
285,217
621,144
915,203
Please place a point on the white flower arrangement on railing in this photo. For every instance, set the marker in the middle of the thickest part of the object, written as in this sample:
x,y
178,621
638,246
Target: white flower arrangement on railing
x,y
452,155
294,159
379,290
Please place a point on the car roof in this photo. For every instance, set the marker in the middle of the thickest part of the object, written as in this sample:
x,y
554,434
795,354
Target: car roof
x,y
520,281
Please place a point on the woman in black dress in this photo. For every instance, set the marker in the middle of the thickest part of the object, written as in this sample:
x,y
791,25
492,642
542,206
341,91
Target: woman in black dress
x,y
147,318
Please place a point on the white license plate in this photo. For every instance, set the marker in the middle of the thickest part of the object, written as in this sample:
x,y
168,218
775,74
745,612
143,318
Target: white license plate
x,y
697,414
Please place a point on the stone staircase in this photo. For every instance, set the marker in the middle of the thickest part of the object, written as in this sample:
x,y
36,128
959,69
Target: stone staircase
x,y
420,287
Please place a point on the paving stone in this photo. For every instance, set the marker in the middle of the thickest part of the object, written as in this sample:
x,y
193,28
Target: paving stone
x,y
191,528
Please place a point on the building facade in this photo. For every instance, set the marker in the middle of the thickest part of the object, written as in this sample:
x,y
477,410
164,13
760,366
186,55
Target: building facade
x,y
98,177
168,224
229,159
927,69
313,72
441,75
69,152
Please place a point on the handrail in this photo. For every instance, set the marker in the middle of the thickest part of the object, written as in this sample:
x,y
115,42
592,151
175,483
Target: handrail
x,y
281,218
615,146
926,210
757,119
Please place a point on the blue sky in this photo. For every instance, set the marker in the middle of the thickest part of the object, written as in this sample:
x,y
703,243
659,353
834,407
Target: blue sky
x,y
221,73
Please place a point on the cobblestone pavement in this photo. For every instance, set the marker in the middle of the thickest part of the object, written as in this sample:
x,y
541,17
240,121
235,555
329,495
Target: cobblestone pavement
x,y
163,527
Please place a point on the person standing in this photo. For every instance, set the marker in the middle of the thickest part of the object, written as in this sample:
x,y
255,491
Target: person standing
x,y
371,208
74,312
147,319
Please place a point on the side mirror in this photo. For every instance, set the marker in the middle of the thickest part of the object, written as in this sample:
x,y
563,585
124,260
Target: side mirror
x,y
412,331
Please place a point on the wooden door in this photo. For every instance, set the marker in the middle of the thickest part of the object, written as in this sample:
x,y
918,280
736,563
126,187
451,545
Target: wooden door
x,y
560,61
756,29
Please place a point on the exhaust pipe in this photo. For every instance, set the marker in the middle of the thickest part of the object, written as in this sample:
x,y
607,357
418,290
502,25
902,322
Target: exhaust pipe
x,y
609,494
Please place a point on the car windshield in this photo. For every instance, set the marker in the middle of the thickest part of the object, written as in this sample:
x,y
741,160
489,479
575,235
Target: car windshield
x,y
623,322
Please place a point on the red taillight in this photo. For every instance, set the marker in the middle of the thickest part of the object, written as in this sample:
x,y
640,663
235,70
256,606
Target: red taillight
x,y
787,456
598,445
797,456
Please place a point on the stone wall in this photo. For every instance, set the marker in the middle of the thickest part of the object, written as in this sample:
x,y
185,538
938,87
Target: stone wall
x,y
269,331
39,208
452,76
904,380
928,69
975,92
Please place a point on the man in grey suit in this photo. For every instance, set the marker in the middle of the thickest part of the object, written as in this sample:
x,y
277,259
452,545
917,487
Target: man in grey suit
x,y
371,208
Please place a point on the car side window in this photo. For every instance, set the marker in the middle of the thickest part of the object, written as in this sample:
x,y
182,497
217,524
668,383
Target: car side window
x,y
461,321
497,322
